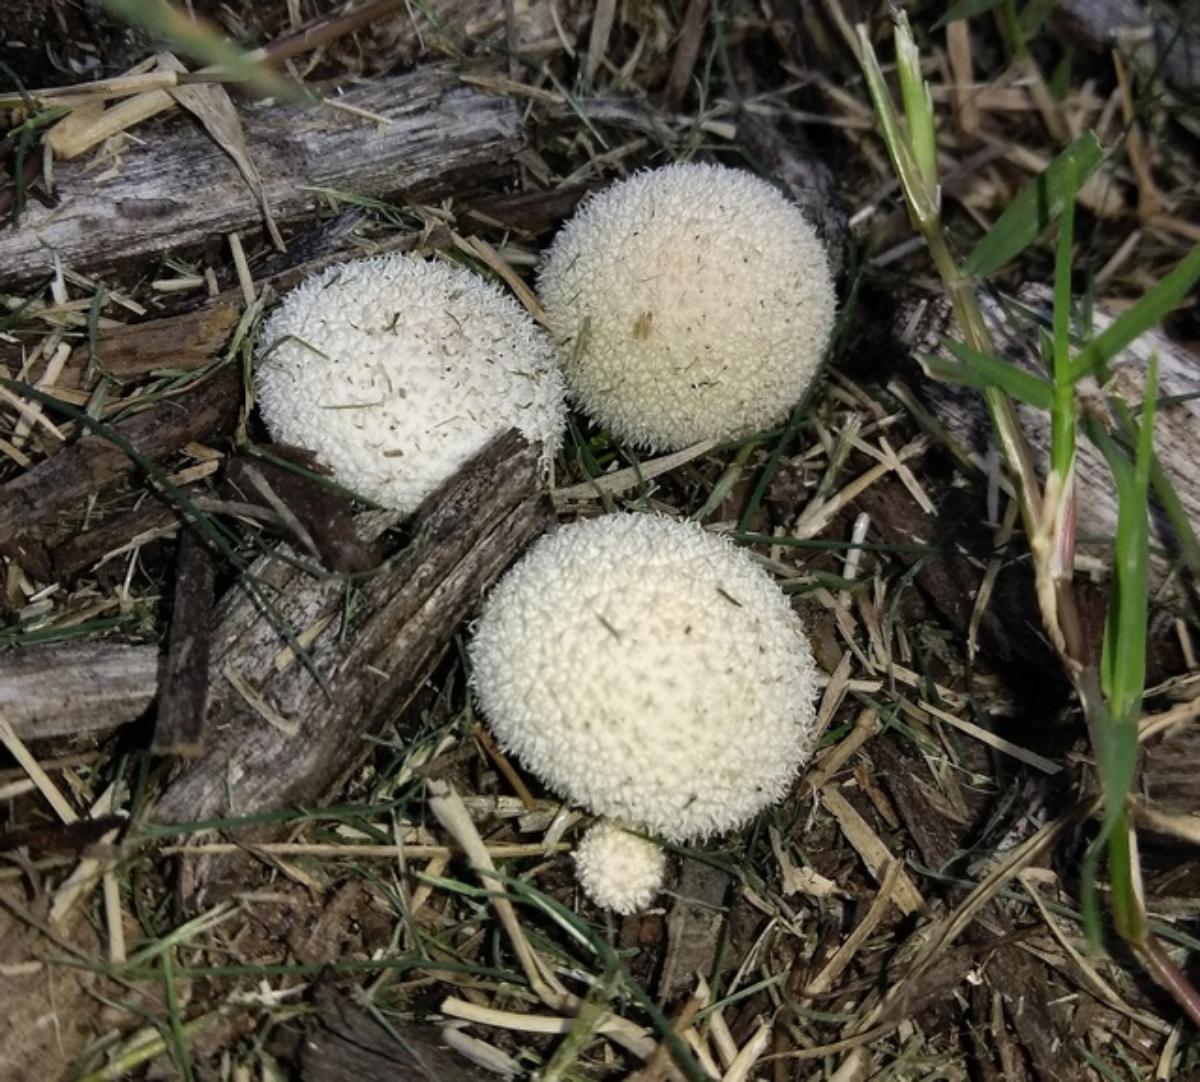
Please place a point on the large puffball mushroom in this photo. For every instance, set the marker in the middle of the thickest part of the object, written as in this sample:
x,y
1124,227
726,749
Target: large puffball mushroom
x,y
395,370
691,302
649,672
617,869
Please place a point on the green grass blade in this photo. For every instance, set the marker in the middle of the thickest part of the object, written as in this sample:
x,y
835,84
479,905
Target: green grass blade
x,y
1034,207
1123,664
918,106
921,200
984,371
1149,312
1062,428
1181,525
179,1043
198,39
1122,669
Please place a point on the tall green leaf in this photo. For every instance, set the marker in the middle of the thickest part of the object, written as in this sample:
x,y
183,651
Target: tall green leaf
x,y
1123,664
1149,312
1034,207
1122,667
1063,415
985,372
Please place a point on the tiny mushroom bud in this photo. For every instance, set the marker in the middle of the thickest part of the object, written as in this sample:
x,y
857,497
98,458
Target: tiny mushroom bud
x,y
649,672
395,370
619,870
690,302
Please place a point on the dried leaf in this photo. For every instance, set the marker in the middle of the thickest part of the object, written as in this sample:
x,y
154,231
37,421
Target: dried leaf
x,y
211,105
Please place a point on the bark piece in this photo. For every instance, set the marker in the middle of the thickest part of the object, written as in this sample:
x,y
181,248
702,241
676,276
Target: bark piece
x,y
1010,632
1098,25
323,514
1043,1031
54,837
182,343
693,927
180,189
531,214
82,551
76,687
687,51
183,695
64,480
1169,767
282,742
345,1044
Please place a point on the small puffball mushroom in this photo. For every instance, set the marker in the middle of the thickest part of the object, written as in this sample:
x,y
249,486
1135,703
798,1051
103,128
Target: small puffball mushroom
x,y
396,370
650,672
690,302
619,870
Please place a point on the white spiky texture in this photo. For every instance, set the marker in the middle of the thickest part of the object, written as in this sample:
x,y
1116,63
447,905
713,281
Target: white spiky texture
x,y
618,870
690,302
395,370
648,671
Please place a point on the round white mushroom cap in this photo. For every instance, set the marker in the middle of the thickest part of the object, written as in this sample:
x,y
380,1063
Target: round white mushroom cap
x,y
691,302
648,671
396,370
619,870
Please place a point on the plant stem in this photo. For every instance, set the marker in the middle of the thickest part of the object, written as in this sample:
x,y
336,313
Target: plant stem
x,y
1048,518
1169,977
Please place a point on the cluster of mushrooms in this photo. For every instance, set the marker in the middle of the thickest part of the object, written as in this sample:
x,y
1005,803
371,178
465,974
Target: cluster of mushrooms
x,y
645,670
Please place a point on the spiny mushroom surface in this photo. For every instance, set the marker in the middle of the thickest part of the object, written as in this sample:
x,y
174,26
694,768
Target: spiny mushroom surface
x,y
395,370
690,302
648,671
619,870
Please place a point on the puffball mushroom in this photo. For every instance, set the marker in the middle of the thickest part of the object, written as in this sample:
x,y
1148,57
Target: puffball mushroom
x,y
651,673
395,370
617,869
691,302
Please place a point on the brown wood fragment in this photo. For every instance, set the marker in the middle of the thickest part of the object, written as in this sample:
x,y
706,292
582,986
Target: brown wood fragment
x,y
90,464
1010,630
180,343
1169,767
183,693
53,837
323,514
180,189
30,555
342,1043
693,926
530,214
82,551
1043,1031
75,688
288,744
686,52
1168,43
